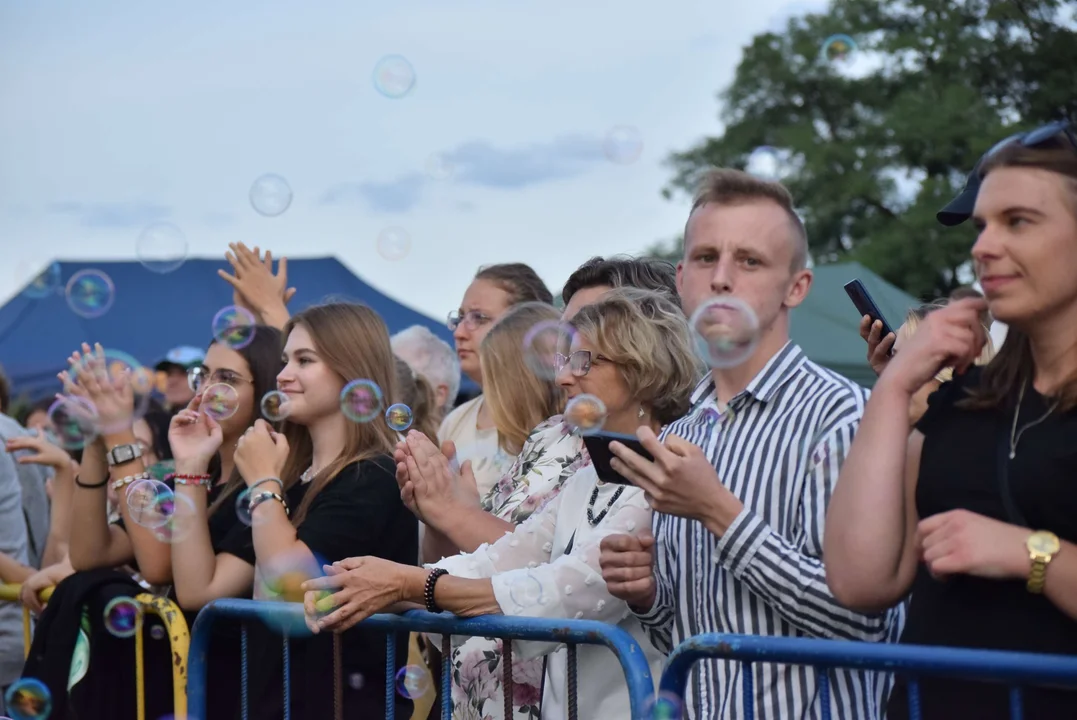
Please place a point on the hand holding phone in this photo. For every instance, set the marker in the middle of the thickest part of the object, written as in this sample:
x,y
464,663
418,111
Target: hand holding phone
x,y
874,328
598,447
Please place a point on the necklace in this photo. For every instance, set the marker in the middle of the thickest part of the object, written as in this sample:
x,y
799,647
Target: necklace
x,y
307,475
591,505
1015,434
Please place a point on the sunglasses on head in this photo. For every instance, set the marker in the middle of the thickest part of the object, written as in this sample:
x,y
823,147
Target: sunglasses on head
x,y
1037,137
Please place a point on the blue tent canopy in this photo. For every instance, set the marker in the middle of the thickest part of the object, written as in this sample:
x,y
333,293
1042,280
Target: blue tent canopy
x,y
153,313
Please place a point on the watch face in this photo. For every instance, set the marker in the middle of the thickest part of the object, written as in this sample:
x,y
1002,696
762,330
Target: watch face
x,y
1044,543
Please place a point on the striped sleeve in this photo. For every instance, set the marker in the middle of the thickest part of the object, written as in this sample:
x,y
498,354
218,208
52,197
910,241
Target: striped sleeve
x,y
657,621
789,574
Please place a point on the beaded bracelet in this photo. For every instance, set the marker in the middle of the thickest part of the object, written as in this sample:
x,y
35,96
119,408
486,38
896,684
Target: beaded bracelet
x,y
428,590
263,496
125,481
268,480
205,481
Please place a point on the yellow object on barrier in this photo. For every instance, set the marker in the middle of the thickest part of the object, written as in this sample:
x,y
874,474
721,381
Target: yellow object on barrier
x,y
179,640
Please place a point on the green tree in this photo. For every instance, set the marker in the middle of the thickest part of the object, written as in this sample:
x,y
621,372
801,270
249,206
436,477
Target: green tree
x,y
872,156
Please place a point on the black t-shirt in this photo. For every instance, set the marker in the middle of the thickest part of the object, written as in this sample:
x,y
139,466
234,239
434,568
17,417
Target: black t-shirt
x,y
358,513
958,470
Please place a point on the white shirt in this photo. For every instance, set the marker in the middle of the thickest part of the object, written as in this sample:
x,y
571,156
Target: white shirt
x,y
488,461
533,577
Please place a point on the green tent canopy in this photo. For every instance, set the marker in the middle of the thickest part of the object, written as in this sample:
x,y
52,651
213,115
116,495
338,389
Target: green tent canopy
x,y
826,325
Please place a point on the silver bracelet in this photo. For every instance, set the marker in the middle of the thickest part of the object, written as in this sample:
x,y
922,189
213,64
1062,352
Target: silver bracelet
x,y
267,480
261,497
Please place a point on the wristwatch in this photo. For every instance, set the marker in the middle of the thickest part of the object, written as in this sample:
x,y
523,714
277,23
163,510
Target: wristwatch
x,y
1042,547
123,454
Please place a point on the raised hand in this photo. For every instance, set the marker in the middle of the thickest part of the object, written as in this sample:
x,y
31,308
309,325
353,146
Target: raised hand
x,y
39,452
879,348
951,337
261,453
255,286
112,397
195,438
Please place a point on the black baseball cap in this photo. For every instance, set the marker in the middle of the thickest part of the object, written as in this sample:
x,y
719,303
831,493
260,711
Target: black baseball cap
x,y
960,208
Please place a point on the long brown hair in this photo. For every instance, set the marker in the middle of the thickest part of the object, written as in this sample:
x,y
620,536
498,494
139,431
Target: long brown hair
x,y
354,342
518,398
1013,365
415,392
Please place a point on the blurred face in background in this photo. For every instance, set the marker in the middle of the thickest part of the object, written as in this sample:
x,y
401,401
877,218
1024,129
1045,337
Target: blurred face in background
x,y
177,392
38,420
483,303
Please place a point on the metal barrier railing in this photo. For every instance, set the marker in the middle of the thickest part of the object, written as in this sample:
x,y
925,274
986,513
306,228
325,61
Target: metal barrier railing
x,y
178,639
1014,669
570,632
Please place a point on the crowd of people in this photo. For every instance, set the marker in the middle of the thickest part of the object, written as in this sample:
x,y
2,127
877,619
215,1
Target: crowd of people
x,y
942,501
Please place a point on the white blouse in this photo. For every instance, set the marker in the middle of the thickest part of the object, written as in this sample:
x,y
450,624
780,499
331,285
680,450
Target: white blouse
x,y
533,577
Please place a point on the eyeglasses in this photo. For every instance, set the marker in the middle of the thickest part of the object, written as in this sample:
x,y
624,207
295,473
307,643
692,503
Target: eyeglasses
x,y
472,319
579,363
197,378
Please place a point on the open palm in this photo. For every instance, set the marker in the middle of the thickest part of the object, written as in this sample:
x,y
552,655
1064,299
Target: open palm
x,y
194,436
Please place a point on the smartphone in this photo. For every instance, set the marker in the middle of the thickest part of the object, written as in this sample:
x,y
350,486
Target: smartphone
x,y
598,447
865,305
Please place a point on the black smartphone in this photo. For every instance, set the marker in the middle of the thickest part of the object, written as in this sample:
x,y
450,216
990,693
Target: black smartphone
x,y
598,447
865,305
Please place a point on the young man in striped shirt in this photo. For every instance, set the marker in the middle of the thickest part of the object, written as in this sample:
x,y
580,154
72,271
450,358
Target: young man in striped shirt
x,y
740,484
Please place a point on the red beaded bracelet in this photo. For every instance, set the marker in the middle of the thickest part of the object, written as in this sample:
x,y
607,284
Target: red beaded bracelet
x,y
203,480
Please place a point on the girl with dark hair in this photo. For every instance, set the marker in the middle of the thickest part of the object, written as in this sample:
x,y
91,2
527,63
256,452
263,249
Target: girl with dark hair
x,y
984,539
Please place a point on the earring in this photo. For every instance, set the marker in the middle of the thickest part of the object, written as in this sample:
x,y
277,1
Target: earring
x,y
642,412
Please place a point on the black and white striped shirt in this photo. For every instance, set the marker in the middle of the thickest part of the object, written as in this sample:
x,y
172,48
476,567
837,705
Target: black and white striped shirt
x,y
777,447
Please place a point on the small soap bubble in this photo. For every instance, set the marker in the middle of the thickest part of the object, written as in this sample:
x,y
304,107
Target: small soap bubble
x,y
270,195
220,401
526,591
542,343
150,503
664,706
178,522
394,243
838,49
399,417
90,293
28,699
438,167
45,284
623,144
276,406
585,414
157,632
765,163
413,682
234,327
243,507
121,617
282,579
361,401
161,248
73,421
725,331
355,681
197,378
394,77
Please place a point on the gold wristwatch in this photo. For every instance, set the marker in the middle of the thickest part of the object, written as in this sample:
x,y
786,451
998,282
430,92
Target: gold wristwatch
x,y
1042,547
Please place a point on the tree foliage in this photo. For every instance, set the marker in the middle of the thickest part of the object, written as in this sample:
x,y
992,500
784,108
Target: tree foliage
x,y
871,155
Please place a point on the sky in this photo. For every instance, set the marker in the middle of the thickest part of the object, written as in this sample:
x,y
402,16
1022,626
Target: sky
x,y
534,132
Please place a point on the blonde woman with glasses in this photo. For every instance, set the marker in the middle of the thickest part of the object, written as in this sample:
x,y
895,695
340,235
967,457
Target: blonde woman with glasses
x,y
632,350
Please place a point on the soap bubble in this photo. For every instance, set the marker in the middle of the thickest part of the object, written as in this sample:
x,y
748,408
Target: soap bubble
x,y
361,401
394,77
585,414
270,195
243,507
45,284
725,331
542,344
150,503
838,49
196,378
276,406
28,699
90,293
664,706
73,422
117,366
623,144
157,632
355,681
234,327
161,248
765,163
121,617
179,522
220,401
526,591
413,682
399,417
394,243
282,579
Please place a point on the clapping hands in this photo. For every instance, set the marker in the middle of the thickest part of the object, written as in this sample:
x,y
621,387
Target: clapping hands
x,y
428,485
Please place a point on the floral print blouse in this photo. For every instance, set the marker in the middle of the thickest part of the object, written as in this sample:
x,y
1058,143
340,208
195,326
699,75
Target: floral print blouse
x,y
551,454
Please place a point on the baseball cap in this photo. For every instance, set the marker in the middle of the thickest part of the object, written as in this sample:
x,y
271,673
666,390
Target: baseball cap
x,y
184,357
960,208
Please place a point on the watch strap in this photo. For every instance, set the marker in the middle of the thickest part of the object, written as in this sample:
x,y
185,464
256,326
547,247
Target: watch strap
x,y
122,454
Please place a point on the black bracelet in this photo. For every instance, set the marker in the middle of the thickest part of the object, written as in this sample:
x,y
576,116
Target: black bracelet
x,y
98,486
428,591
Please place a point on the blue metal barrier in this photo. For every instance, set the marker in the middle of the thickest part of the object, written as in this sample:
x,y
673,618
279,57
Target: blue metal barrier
x,y
570,632
1010,668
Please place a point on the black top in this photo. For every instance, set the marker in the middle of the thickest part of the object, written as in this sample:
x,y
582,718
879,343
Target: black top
x,y
358,513
958,471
